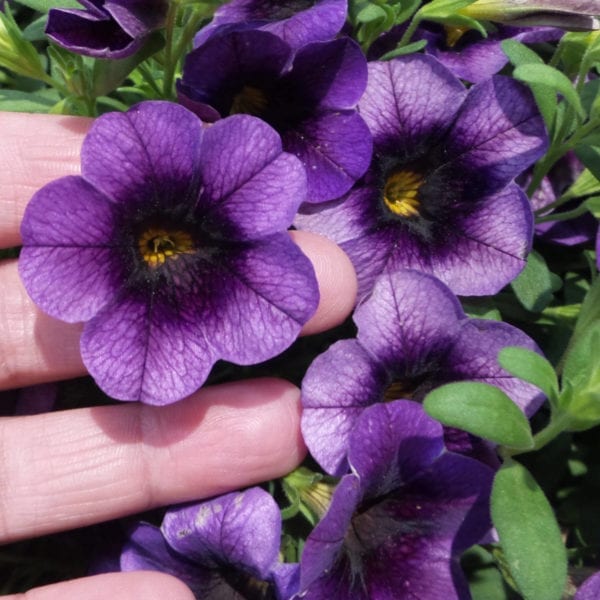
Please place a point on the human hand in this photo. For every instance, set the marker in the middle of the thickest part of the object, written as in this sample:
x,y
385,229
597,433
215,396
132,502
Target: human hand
x,y
73,468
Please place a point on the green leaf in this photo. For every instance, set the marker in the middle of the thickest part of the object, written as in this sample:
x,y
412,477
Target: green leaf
x,y
552,79
480,409
533,287
519,54
529,533
408,49
30,102
532,367
370,13
590,157
45,5
582,361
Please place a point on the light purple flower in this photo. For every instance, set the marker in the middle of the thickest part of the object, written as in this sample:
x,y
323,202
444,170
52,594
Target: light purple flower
x,y
412,337
297,22
438,196
105,28
223,548
397,524
172,245
590,589
309,98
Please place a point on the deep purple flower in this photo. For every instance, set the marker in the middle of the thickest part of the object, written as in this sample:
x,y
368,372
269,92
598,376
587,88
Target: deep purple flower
x,y
105,28
297,22
438,196
310,102
224,548
172,245
396,526
467,54
412,337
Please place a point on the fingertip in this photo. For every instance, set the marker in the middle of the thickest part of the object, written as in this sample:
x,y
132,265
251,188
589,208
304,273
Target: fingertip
x,y
337,281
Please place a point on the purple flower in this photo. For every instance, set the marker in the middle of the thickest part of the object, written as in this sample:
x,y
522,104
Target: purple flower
x,y
590,589
172,245
396,526
310,102
412,337
224,548
297,22
105,28
438,196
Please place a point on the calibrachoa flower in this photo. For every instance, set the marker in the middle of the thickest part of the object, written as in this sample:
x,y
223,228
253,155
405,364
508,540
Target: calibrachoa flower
x,y
225,548
438,196
298,22
311,102
172,245
397,524
413,336
105,28
590,590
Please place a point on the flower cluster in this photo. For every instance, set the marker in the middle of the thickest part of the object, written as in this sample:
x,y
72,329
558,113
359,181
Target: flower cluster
x,y
172,248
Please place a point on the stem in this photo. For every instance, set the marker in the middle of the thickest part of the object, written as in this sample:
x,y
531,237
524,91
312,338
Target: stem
x,y
558,424
564,216
410,30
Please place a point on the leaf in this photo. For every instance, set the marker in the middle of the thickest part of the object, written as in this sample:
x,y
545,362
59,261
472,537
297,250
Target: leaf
x,y
408,49
519,54
590,157
31,102
529,533
480,409
550,78
45,5
582,361
533,287
532,367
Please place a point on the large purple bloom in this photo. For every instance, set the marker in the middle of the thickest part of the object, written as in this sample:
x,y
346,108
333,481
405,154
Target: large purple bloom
x,y
297,22
172,245
105,28
223,548
438,196
412,337
396,526
310,102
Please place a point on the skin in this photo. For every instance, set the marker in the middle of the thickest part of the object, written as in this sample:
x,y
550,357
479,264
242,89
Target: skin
x,y
68,469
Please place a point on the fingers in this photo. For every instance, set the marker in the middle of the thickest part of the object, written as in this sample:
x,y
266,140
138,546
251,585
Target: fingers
x,y
68,469
34,149
148,585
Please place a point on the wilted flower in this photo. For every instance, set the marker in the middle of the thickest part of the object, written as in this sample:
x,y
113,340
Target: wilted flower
x,y
224,548
172,245
311,103
105,28
397,525
438,196
412,337
297,22
567,14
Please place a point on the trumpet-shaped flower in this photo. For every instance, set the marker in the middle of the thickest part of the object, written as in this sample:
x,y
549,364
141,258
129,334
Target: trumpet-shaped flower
x,y
412,337
172,247
397,524
223,548
438,196
105,28
311,103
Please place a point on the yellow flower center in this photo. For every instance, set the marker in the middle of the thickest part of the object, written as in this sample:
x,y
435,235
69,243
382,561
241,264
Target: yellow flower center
x,y
249,101
157,245
453,34
401,191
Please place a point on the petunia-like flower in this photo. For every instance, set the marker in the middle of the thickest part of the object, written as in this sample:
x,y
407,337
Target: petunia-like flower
x,y
105,28
224,548
438,196
397,524
590,589
172,245
466,53
413,336
297,22
311,103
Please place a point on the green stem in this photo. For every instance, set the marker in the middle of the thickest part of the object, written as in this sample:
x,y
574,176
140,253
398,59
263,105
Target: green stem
x,y
558,424
564,216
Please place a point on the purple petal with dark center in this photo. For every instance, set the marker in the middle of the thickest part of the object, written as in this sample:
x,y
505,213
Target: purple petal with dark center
x,y
474,357
148,154
298,22
68,263
409,317
241,529
267,292
337,387
409,103
335,148
497,134
246,174
151,347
